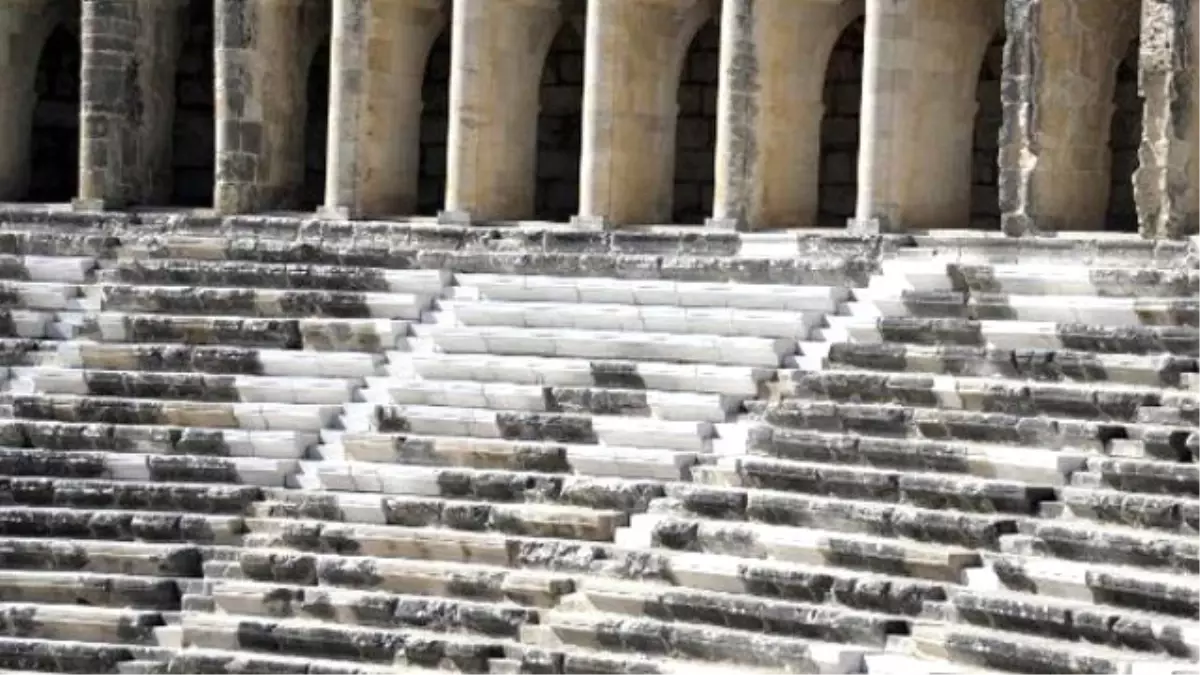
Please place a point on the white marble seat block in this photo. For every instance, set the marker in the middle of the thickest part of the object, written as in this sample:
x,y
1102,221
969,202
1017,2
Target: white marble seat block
x,y
640,432
301,390
61,269
284,416
284,363
619,462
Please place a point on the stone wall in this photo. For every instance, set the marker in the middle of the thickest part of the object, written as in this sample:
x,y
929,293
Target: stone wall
x,y
1125,137
192,138
559,125
696,130
435,95
985,204
839,129
55,137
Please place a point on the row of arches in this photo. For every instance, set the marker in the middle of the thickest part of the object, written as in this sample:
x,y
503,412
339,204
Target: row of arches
x,y
55,126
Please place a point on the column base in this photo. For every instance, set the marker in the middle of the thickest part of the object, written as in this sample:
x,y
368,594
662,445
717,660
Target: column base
x,y
454,217
1020,225
726,224
335,213
87,205
591,223
874,226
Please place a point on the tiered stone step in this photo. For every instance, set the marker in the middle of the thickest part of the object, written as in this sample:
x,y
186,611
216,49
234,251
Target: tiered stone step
x,y
184,383
1036,415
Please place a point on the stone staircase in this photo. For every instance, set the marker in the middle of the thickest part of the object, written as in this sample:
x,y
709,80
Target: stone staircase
x,y
287,446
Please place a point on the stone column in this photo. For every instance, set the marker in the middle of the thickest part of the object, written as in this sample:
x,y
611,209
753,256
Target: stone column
x,y
1166,182
920,68
1060,66
263,49
378,56
24,27
774,56
498,48
631,75
128,90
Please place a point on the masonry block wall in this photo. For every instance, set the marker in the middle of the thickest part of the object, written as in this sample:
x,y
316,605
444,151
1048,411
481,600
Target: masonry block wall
x,y
1031,116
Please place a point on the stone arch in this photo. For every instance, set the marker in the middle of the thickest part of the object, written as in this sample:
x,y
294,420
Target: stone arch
x,y
1124,140
696,127
54,137
316,128
842,98
435,109
989,115
193,132
559,127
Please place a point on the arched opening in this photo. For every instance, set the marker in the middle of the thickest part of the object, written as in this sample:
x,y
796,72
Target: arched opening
x,y
435,109
193,135
559,131
838,173
316,123
54,149
1125,136
696,127
985,195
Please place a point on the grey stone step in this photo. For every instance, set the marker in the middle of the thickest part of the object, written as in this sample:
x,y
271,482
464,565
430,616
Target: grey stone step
x,y
320,335
101,557
19,353
897,421
69,269
1003,462
1033,278
481,453
961,492
680,640
1145,475
561,427
1179,443
46,295
1043,364
34,462
1099,583
1173,513
143,667
826,622
75,622
324,639
480,580
1167,415
122,525
807,546
88,588
1113,544
672,320
742,381
940,526
595,400
259,302
695,348
28,324
156,439
1005,334
238,274
530,288
220,662
1065,248
154,496
192,386
1076,621
222,359
371,608
1026,653
183,413
60,656
451,517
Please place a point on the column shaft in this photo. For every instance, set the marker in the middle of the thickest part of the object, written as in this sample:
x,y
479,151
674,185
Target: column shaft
x,y
631,72
263,49
774,55
1059,76
921,66
128,87
380,49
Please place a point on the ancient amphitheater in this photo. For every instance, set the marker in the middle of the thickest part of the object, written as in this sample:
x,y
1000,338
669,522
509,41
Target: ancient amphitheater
x,y
618,336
